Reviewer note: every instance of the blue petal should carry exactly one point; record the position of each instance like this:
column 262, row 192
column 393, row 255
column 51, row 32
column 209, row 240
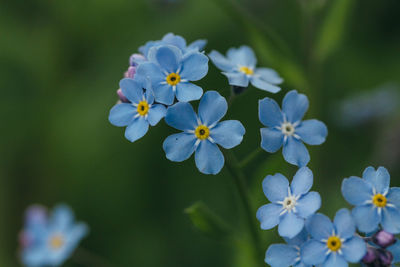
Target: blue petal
column 281, row 255
column 197, row 45
column 271, row 139
column 379, row 179
column 268, row 75
column 121, row 114
column 313, row 252
column 354, row 249
column 344, row 224
column 242, row 56
column 308, row 204
column 275, row 187
column 335, row 260
column 156, row 113
column 212, row 108
column 179, row 147
column 290, row 225
column 208, row 157
column 356, row 191
column 294, row 106
column 237, row 78
column 302, row 181
column 34, row 256
column 131, row 90
column 181, row 116
column 312, row 132
column 194, row 66
column 391, row 220
column 299, row 239
column 269, row 112
column 268, row 215
column 395, row 250
column 186, row 92
column 62, row 217
column 221, row 62
column 78, row 231
column 394, row 196
column 151, row 71
column 168, row 57
column 163, row 93
column 228, row 134
column 295, row 152
column 263, row 85
column 319, row 226
column 136, row 129
column 366, row 218
column 175, row 40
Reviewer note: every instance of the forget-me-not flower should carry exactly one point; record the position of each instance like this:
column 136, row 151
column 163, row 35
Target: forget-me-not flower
column 203, row 133
column 239, row 66
column 286, row 128
column 332, row 244
column 171, row 73
column 56, row 240
column 375, row 203
column 291, row 205
column 139, row 113
column 285, row 255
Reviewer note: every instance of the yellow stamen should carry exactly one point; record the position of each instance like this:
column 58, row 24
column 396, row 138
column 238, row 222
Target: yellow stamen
column 202, row 132
column 173, row 79
column 56, row 241
column 246, row 70
column 379, row 200
column 143, row 108
column 334, row 243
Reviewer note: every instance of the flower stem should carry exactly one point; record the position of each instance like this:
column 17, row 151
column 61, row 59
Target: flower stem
column 250, row 157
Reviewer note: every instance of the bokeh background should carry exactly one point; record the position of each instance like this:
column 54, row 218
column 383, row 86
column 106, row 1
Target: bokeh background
column 60, row 64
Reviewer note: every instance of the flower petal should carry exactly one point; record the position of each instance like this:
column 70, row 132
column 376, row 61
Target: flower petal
column 175, row 40
column 181, row 116
column 271, row 139
column 290, row 225
column 197, row 45
column 356, row 191
column 156, row 113
column 179, row 147
column 335, row 260
column 186, row 92
column 136, row 129
column 264, row 85
column 313, row 252
column 194, row 66
column 208, row 157
column 308, row 204
column 312, row 132
column 212, row 108
column 354, row 249
column 242, row 56
column 220, row 61
column 269, row 112
column 167, row 56
column 391, row 220
column 62, row 217
column 275, row 187
column 302, row 181
column 122, row 114
column 319, row 226
column 237, row 78
column 268, row 75
column 150, row 70
column 228, row 134
column 366, row 218
column 299, row 239
column 295, row 152
column 379, row 179
column 281, row 255
column 294, row 106
column 163, row 93
column 344, row 224
column 395, row 250
column 131, row 90
column 394, row 196
column 268, row 215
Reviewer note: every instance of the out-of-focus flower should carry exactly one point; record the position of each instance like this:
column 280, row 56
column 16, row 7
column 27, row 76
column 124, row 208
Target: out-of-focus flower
column 286, row 128
column 239, row 66
column 203, row 133
column 291, row 205
column 375, row 203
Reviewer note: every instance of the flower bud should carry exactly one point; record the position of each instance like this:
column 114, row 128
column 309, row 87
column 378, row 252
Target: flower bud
column 121, row 96
column 130, row 73
column 135, row 59
column 385, row 257
column 384, row 239
column 370, row 256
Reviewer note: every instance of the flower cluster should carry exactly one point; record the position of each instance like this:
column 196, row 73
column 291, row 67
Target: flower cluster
column 49, row 240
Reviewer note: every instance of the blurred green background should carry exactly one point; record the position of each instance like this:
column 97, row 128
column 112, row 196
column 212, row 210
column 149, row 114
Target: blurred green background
column 60, row 63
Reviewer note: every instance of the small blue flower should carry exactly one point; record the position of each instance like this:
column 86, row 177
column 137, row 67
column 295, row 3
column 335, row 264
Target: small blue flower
column 285, row 255
column 56, row 240
column 287, row 128
column 171, row 72
column 139, row 113
column 375, row 203
column 332, row 244
column 239, row 66
column 291, row 205
column 202, row 133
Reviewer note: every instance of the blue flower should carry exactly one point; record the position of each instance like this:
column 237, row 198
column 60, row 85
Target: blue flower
column 375, row 203
column 332, row 244
column 138, row 114
column 239, row 66
column 56, row 240
column 287, row 128
column 291, row 205
column 171, row 72
column 285, row 255
column 202, row 133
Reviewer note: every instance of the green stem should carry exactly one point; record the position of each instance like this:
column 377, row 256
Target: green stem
column 232, row 166
column 250, row 157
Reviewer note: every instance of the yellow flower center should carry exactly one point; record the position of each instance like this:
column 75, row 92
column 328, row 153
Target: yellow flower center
column 143, row 108
column 334, row 243
column 202, row 132
column 379, row 200
column 56, row 241
column 246, row 70
column 173, row 79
